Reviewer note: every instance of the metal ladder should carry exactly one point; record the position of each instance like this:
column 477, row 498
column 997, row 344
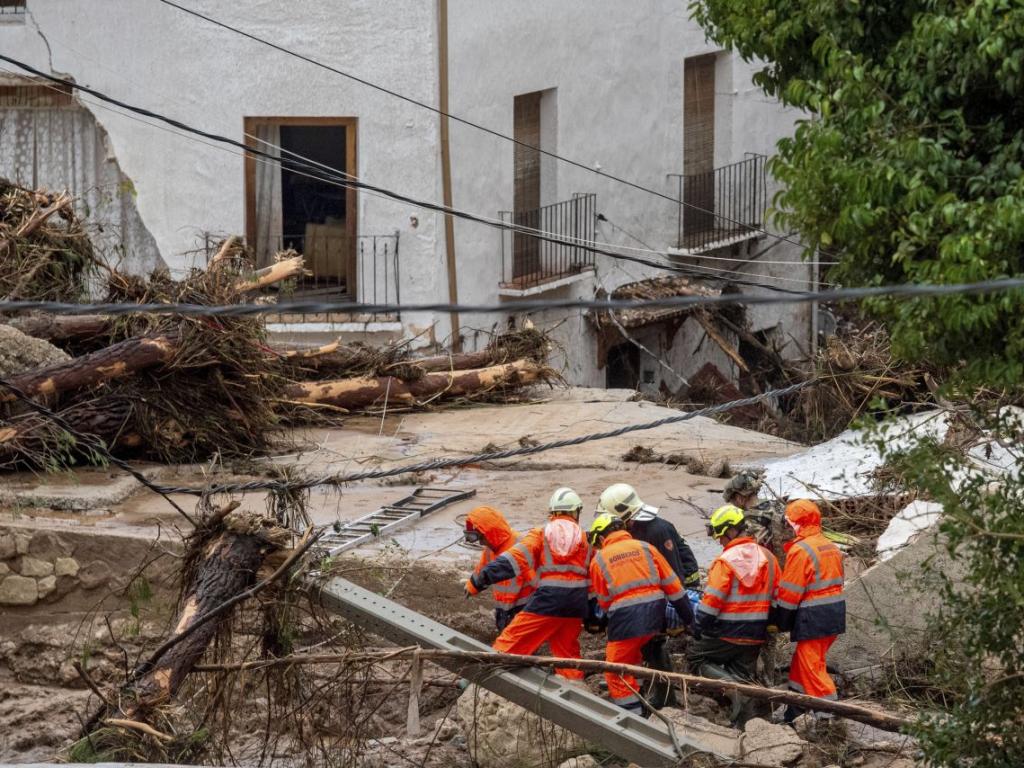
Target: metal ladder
column 646, row 742
column 389, row 519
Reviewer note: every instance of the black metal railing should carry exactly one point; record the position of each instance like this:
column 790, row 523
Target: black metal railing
column 528, row 261
column 723, row 205
column 12, row 7
column 329, row 257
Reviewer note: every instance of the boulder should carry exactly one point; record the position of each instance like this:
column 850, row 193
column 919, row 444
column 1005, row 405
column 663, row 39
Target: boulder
column 65, row 566
column 8, row 546
column 769, row 744
column 501, row 734
column 32, row 566
column 94, row 574
column 20, row 353
column 18, row 590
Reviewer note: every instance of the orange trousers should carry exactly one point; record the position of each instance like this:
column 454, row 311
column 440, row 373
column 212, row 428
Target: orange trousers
column 529, row 631
column 622, row 688
column 807, row 671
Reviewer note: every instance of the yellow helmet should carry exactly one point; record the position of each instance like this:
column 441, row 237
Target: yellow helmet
column 600, row 525
column 724, row 518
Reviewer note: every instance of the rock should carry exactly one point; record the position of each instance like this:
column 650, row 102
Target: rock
column 22, row 542
column 20, row 353
column 864, row 736
column 8, row 547
column 768, row 744
column 65, row 566
column 47, row 545
column 723, row 741
column 31, row 566
column 501, row 734
column 4, row 570
column 46, row 585
column 583, row 761
column 94, row 574
column 18, row 590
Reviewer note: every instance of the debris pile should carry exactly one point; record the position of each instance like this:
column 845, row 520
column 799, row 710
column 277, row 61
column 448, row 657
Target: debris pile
column 175, row 388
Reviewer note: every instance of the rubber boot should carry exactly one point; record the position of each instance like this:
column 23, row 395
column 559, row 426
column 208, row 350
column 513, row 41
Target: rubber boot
column 659, row 693
column 737, row 715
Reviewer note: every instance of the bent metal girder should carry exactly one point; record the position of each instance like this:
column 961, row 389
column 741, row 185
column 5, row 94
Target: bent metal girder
column 645, row 742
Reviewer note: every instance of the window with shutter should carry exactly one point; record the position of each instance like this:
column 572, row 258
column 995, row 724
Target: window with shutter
column 526, row 192
column 699, row 143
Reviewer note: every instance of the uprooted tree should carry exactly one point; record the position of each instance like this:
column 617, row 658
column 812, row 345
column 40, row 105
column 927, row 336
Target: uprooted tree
column 909, row 170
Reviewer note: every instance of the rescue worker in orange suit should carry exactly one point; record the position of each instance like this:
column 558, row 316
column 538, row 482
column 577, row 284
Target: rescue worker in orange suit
column 811, row 605
column 732, row 618
column 487, row 526
column 631, row 583
column 558, row 554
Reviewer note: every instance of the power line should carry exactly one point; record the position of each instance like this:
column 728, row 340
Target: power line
column 445, row 462
column 910, row 290
column 465, row 121
column 289, row 165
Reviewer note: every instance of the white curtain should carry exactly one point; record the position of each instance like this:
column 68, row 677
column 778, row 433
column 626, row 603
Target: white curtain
column 63, row 148
column 269, row 234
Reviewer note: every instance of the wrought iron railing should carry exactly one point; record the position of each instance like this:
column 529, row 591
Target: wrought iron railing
column 329, row 258
column 12, row 7
column 722, row 206
column 528, row 261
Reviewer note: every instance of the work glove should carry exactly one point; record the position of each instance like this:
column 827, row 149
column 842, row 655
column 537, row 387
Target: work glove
column 675, row 631
column 692, row 581
column 471, row 587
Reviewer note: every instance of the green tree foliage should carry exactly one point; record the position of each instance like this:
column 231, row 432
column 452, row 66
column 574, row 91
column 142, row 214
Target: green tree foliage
column 909, row 166
column 980, row 659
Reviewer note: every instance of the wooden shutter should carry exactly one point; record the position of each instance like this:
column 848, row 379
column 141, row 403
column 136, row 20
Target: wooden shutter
column 699, row 142
column 526, row 192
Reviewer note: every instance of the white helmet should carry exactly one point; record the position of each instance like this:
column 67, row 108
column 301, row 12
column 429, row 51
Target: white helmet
column 623, row 501
column 565, row 500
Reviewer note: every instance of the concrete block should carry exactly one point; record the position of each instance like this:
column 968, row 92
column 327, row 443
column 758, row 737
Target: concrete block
column 18, row 590
column 769, row 744
column 32, row 566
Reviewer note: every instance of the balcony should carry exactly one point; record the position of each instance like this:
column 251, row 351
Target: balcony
column 530, row 265
column 722, row 207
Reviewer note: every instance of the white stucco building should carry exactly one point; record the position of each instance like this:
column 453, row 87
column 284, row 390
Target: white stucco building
column 631, row 90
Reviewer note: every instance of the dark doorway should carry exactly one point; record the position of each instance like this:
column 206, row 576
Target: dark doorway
column 623, row 368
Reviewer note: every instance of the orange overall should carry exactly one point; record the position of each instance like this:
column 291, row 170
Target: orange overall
column 558, row 554
column 811, row 604
column 631, row 582
column 511, row 594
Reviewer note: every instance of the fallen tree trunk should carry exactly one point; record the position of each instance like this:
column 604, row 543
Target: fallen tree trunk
column 116, row 361
column 58, row 329
column 29, row 439
column 879, row 719
column 362, row 392
column 275, row 273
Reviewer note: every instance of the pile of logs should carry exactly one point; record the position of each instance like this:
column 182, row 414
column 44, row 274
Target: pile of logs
column 174, row 388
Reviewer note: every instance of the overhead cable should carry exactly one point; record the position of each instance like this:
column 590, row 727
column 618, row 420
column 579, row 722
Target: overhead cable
column 298, row 484
column 911, row 290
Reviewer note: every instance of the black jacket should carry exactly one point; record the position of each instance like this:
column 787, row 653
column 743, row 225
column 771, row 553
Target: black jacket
column 662, row 535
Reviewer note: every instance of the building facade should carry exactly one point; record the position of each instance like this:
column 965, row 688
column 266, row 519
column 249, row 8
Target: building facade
column 625, row 90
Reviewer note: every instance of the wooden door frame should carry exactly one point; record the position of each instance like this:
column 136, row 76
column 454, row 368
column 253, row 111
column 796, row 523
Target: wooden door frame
column 351, row 125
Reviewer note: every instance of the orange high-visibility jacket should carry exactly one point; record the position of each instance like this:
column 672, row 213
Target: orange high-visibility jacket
column 631, row 581
column 810, row 601
column 498, row 538
column 559, row 555
column 740, row 593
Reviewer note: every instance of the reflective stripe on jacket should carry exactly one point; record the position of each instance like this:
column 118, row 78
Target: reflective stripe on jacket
column 499, row 537
column 810, row 602
column 740, row 593
column 561, row 580
column 631, row 581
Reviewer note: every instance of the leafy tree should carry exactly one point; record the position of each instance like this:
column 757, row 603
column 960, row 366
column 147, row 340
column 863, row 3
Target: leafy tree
column 909, row 165
column 910, row 168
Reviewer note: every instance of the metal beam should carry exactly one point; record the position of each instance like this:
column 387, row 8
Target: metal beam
column 646, row 742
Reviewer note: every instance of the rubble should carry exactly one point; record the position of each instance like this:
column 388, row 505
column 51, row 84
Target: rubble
column 769, row 744
column 501, row 734
column 20, row 352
